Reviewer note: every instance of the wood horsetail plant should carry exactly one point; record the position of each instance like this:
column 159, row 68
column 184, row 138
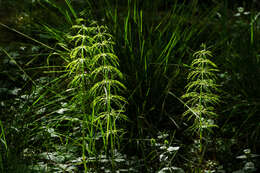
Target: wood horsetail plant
column 201, row 95
column 95, row 77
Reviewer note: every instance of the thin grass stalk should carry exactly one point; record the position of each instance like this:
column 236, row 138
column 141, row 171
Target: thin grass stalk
column 2, row 135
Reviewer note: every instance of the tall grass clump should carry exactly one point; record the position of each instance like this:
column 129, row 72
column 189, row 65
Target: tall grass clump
column 201, row 98
column 153, row 40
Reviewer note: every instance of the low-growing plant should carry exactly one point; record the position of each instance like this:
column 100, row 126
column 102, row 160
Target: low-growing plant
column 249, row 162
column 166, row 152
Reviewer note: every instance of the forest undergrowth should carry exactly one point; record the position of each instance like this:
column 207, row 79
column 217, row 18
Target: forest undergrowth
column 129, row 86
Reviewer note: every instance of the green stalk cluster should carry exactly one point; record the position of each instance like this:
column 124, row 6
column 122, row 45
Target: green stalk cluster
column 95, row 77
